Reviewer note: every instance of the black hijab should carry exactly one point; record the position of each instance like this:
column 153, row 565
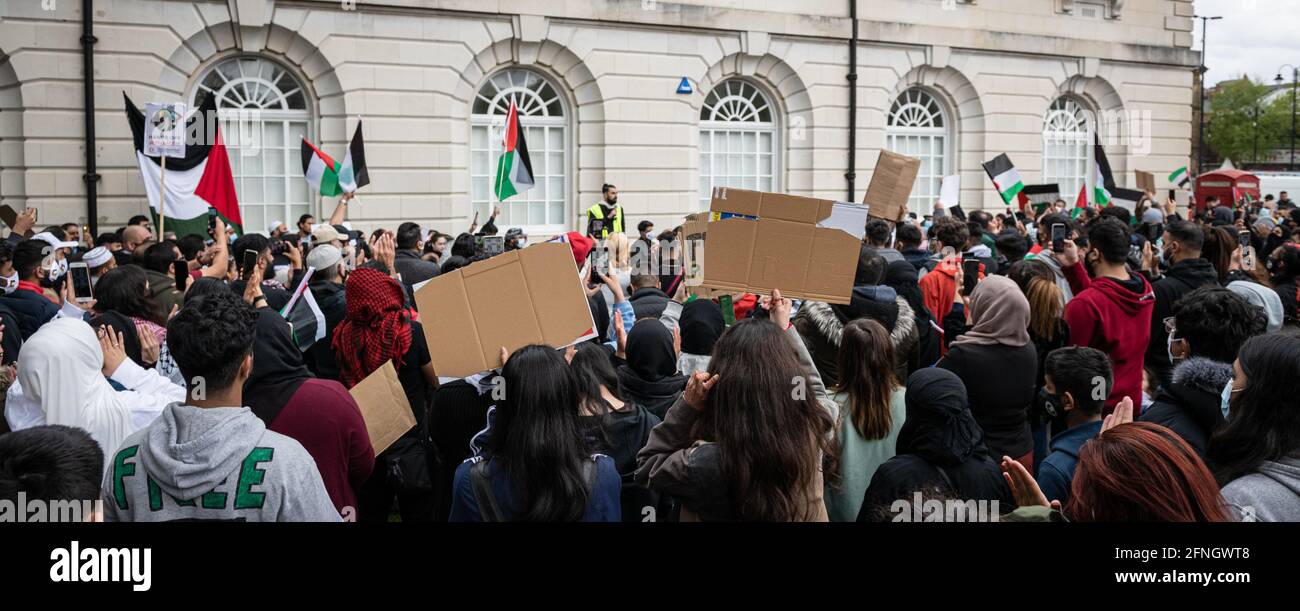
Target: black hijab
column 650, row 350
column 120, row 323
column 278, row 369
column 701, row 323
column 939, row 426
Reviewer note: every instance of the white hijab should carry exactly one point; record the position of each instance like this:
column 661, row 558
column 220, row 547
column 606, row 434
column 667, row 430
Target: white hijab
column 59, row 369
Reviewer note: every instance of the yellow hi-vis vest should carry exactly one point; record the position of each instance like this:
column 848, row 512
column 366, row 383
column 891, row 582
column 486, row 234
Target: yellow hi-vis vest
column 595, row 212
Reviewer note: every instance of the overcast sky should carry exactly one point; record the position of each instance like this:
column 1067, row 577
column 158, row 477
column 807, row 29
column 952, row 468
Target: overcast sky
column 1255, row 37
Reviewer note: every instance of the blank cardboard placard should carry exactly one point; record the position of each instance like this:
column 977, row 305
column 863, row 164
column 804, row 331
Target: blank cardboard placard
column 762, row 241
column 1146, row 181
column 527, row 296
column 891, row 185
column 384, row 407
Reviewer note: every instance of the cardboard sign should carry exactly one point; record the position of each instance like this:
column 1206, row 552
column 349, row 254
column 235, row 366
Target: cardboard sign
column 694, row 231
column 527, row 296
column 1146, row 181
column 891, row 185
column 806, row 247
column 384, row 407
column 164, row 126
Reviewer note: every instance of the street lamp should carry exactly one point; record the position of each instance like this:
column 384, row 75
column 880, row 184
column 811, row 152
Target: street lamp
column 1200, row 135
column 1295, row 74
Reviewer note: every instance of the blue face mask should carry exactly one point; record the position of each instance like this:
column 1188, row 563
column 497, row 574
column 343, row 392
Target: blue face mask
column 1226, row 397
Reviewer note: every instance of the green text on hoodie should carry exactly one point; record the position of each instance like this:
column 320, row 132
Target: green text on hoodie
column 219, row 463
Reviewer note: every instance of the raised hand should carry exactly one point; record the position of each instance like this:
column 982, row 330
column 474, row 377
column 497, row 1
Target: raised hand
column 150, row 349
column 697, row 389
column 1024, row 489
column 1123, row 414
column 112, row 345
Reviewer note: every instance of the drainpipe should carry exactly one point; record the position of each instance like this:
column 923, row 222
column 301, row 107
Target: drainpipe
column 91, row 176
column 852, row 173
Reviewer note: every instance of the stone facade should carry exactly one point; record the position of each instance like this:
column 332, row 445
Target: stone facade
column 412, row 68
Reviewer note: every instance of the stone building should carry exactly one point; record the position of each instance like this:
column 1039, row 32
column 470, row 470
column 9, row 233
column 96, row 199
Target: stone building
column 766, row 102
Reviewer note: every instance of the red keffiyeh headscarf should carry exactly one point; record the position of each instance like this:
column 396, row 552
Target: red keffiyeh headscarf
column 377, row 326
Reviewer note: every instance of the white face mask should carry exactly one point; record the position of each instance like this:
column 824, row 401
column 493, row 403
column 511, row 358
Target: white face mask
column 9, row 283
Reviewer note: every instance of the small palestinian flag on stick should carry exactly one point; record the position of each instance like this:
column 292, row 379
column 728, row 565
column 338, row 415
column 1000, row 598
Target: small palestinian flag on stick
column 1181, row 179
column 330, row 177
column 1080, row 203
column 1005, row 177
column 514, row 168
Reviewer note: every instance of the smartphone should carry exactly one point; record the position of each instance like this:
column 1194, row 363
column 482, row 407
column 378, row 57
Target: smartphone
column 970, row 274
column 181, row 271
column 80, row 281
column 212, row 221
column 1243, row 238
column 250, row 261
column 1058, row 237
column 494, row 245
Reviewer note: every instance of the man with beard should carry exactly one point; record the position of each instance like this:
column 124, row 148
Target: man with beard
column 605, row 217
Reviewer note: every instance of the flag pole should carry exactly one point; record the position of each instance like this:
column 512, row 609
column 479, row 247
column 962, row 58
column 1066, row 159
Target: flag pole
column 162, row 198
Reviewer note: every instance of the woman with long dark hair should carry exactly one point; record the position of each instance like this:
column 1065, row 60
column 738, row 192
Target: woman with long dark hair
column 872, row 411
column 1256, row 455
column 536, row 465
column 1132, row 472
column 613, row 424
column 742, row 442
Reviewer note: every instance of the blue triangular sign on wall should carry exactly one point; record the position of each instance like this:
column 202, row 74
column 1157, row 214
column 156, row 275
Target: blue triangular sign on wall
column 685, row 86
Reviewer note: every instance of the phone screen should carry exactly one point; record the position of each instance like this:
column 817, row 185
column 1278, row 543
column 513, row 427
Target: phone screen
column 970, row 272
column 250, row 261
column 1058, row 237
column 80, row 281
column 1243, row 237
column 181, row 270
column 494, row 245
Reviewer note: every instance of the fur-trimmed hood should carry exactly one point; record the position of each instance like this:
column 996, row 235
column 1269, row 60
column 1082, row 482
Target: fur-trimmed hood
column 828, row 325
column 1202, row 374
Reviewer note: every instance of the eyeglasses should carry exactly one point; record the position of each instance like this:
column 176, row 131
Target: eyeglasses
column 1170, row 328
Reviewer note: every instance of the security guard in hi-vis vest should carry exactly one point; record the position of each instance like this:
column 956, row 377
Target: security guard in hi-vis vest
column 607, row 216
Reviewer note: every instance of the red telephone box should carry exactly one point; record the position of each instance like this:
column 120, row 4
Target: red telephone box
column 1226, row 184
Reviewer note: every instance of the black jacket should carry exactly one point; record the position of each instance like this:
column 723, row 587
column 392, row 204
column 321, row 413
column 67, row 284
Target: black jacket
column 821, row 326
column 31, row 310
column 621, row 435
column 1190, row 404
column 413, row 269
column 648, row 302
column 941, row 452
column 1000, row 385
column 458, row 412
column 1182, row 278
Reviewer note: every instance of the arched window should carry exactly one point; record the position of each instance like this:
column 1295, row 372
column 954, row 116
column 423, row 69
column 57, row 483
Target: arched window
column 738, row 146
column 918, row 127
column 264, row 117
column 1066, row 140
column 542, row 209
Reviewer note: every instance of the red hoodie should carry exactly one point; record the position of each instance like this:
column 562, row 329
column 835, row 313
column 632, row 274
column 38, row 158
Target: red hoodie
column 1117, row 321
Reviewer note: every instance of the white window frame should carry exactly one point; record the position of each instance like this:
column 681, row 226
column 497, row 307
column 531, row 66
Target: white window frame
column 530, row 102
column 260, row 108
column 737, row 107
column 1067, row 146
column 919, row 116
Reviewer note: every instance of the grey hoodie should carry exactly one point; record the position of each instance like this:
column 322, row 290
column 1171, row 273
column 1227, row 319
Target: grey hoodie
column 1270, row 494
column 220, row 463
column 1066, row 292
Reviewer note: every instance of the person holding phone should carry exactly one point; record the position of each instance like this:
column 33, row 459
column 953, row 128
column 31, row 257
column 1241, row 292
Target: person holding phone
column 260, row 247
column 159, row 262
column 1060, row 252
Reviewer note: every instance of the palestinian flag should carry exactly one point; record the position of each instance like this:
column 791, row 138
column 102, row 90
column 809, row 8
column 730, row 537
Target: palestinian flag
column 1181, row 179
column 1041, row 196
column 1127, row 199
column 1103, row 183
column 327, row 176
column 1080, row 203
column 306, row 321
column 1005, row 177
column 514, row 168
column 197, row 182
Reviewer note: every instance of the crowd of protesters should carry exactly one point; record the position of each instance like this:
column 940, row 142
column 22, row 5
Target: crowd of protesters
column 1059, row 364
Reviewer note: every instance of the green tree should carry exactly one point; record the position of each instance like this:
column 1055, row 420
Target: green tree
column 1241, row 124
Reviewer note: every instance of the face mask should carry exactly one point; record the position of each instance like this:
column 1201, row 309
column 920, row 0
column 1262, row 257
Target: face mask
column 9, row 283
column 1225, row 398
column 1164, row 257
column 520, row 243
column 1169, row 348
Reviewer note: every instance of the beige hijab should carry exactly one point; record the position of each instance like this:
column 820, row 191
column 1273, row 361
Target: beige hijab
column 1000, row 312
